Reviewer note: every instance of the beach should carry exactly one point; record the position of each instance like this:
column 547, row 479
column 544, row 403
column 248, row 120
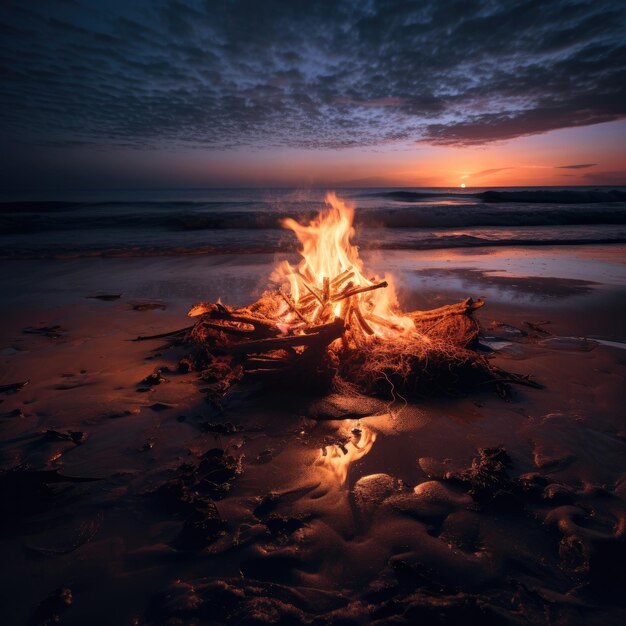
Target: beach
column 461, row 508
column 312, row 313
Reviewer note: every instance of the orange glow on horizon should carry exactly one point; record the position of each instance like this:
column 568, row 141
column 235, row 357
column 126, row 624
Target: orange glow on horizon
column 584, row 156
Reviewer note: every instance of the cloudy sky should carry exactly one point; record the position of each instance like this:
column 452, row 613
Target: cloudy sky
column 123, row 93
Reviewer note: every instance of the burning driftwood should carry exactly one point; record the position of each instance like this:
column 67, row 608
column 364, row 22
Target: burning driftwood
column 326, row 320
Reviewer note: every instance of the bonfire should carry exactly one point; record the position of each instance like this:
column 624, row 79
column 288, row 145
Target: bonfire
column 328, row 323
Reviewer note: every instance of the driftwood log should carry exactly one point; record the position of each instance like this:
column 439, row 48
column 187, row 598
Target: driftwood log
column 318, row 347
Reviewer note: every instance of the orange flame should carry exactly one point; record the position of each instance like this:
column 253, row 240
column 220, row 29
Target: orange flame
column 331, row 262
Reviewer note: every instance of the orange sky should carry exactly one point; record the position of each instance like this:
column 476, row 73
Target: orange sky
column 598, row 151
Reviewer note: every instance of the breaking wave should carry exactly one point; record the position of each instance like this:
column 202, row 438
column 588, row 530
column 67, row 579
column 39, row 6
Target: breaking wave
column 236, row 221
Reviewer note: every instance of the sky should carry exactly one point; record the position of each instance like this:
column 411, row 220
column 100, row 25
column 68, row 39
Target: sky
column 202, row 93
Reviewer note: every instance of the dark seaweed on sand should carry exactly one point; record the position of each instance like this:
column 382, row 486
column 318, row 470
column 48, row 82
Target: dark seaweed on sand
column 192, row 492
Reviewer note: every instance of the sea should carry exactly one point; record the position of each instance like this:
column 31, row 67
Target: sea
column 246, row 221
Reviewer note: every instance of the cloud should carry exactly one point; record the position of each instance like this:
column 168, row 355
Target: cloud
column 578, row 166
column 218, row 75
column 495, row 170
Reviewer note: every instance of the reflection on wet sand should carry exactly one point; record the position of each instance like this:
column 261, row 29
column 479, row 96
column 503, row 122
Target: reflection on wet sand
column 336, row 459
column 499, row 283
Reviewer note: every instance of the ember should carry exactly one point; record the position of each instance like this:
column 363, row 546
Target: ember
column 328, row 322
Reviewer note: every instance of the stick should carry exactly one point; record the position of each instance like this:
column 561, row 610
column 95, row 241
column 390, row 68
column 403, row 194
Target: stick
column 262, row 327
column 313, row 293
column 264, row 364
column 200, row 309
column 307, row 299
column 537, row 328
column 263, row 372
column 292, row 306
column 274, row 343
column 229, row 330
column 267, row 358
column 354, row 292
column 325, row 334
column 244, row 319
column 257, row 322
column 347, row 288
column 308, row 308
column 341, row 278
column 510, row 377
column 383, row 322
column 320, row 313
column 364, row 325
column 460, row 308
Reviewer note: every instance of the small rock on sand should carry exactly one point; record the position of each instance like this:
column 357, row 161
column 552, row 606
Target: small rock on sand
column 370, row 491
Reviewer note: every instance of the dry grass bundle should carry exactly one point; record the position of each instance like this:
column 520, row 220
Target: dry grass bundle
column 246, row 344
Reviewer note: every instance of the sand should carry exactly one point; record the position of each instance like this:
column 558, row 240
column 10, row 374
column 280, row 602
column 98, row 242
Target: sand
column 413, row 524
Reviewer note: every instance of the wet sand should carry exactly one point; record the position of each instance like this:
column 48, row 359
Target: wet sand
column 195, row 517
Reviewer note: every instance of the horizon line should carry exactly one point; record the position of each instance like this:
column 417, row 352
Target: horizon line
column 304, row 187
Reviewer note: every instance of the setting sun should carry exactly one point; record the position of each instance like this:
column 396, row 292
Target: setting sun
column 462, row 185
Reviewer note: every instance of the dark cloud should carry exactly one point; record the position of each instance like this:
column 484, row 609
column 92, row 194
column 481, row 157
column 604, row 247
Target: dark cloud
column 577, row 166
column 307, row 74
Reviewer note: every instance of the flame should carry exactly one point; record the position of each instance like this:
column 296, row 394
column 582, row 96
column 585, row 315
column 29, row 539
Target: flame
column 337, row 459
column 329, row 269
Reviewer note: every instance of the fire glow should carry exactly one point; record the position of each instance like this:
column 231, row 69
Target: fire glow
column 338, row 458
column 330, row 280
column 327, row 324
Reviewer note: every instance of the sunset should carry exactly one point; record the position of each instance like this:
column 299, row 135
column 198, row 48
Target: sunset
column 313, row 312
column 186, row 94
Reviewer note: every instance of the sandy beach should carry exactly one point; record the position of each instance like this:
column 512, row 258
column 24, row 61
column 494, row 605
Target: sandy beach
column 466, row 509
column 313, row 313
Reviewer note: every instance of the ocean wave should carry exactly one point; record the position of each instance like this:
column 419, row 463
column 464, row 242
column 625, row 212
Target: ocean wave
column 281, row 246
column 446, row 216
column 528, row 196
column 422, row 216
column 416, row 196
column 545, row 196
column 30, row 206
column 56, row 206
